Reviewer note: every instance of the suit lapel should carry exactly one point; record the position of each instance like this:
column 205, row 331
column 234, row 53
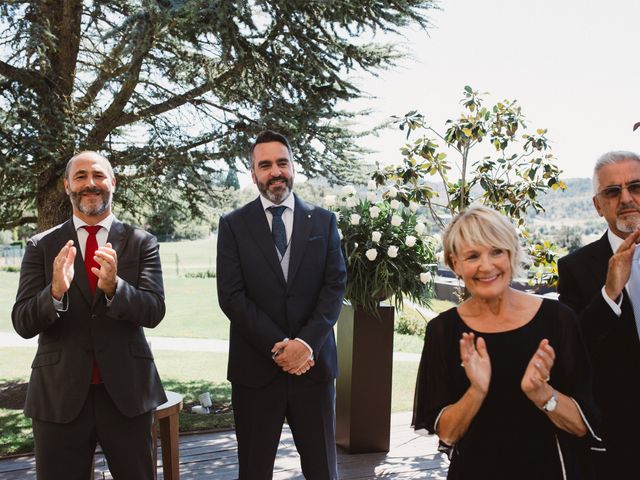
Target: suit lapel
column 600, row 264
column 257, row 224
column 302, row 222
column 118, row 236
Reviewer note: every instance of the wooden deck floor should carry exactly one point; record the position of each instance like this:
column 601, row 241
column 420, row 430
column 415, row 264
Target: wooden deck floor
column 212, row 456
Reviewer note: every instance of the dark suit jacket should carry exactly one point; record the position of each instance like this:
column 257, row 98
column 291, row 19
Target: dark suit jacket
column 612, row 343
column 264, row 309
column 68, row 341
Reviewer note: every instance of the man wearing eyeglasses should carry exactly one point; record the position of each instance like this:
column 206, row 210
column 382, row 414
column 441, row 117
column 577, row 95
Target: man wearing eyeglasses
column 603, row 287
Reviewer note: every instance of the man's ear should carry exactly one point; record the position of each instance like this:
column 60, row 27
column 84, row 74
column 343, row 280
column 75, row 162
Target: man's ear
column 596, row 203
column 66, row 186
column 253, row 176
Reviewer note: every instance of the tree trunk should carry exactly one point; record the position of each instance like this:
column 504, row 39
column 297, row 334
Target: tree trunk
column 53, row 203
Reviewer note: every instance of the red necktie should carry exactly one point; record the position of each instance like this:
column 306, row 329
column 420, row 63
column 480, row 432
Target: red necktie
column 89, row 252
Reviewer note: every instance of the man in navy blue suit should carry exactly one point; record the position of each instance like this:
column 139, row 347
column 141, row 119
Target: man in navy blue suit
column 281, row 279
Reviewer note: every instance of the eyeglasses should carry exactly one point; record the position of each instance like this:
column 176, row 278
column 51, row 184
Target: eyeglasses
column 614, row 191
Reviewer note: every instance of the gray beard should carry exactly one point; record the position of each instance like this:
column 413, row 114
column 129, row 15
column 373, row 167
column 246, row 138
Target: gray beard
column 278, row 198
column 76, row 201
column 627, row 226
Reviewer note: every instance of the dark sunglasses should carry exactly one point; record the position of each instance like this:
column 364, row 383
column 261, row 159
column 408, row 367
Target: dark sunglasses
column 614, row 191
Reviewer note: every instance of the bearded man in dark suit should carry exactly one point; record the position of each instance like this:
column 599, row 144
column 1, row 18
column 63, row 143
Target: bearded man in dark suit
column 87, row 288
column 281, row 279
column 601, row 282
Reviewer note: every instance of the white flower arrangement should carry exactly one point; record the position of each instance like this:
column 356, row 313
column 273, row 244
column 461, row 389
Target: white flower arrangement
column 385, row 247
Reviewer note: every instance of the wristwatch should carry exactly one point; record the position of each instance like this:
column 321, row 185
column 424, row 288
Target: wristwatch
column 552, row 403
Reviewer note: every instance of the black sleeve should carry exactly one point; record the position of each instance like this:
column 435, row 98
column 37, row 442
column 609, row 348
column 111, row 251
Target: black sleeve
column 575, row 371
column 434, row 386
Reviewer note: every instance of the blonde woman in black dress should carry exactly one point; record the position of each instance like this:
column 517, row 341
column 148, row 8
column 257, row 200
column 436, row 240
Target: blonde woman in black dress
column 504, row 379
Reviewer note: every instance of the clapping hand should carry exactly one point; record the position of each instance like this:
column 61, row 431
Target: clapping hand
column 476, row 362
column 63, row 270
column 538, row 373
column 107, row 258
column 619, row 268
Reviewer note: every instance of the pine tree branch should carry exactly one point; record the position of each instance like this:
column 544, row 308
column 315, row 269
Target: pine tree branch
column 27, row 78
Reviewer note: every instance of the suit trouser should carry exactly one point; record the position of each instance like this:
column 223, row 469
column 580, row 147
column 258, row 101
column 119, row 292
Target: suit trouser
column 65, row 450
column 259, row 414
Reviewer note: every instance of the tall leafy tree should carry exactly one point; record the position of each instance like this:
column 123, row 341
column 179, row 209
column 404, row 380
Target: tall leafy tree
column 509, row 176
column 173, row 90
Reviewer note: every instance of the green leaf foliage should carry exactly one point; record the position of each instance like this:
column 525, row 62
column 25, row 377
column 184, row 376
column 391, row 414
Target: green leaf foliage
column 173, row 91
column 510, row 179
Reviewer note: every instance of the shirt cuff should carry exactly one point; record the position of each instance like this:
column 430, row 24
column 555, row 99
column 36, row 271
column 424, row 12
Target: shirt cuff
column 306, row 345
column 615, row 307
column 61, row 305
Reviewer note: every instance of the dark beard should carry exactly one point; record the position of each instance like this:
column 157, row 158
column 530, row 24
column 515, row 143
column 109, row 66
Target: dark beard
column 281, row 194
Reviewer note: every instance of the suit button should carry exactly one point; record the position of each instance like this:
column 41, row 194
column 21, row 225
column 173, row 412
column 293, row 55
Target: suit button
column 93, row 316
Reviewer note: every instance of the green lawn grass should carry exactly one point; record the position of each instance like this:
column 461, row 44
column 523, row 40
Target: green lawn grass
column 8, row 289
column 187, row 256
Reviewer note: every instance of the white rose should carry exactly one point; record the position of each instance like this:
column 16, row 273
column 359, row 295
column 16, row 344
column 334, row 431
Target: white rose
column 413, row 206
column 425, row 277
column 371, row 254
column 340, row 234
column 355, row 219
column 330, row 200
column 392, row 192
column 396, row 220
column 337, row 214
column 374, row 212
column 420, row 227
column 371, row 196
column 395, row 204
column 352, row 202
column 372, row 185
column 376, row 236
column 392, row 251
column 348, row 190
column 410, row 241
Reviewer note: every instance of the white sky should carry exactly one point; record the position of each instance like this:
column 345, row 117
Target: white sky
column 571, row 64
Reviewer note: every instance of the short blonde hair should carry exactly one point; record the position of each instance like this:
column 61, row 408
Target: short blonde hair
column 481, row 225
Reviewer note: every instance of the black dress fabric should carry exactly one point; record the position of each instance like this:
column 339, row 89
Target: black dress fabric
column 510, row 438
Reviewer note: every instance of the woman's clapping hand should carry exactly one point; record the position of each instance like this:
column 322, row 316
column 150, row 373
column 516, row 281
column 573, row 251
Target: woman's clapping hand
column 476, row 362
